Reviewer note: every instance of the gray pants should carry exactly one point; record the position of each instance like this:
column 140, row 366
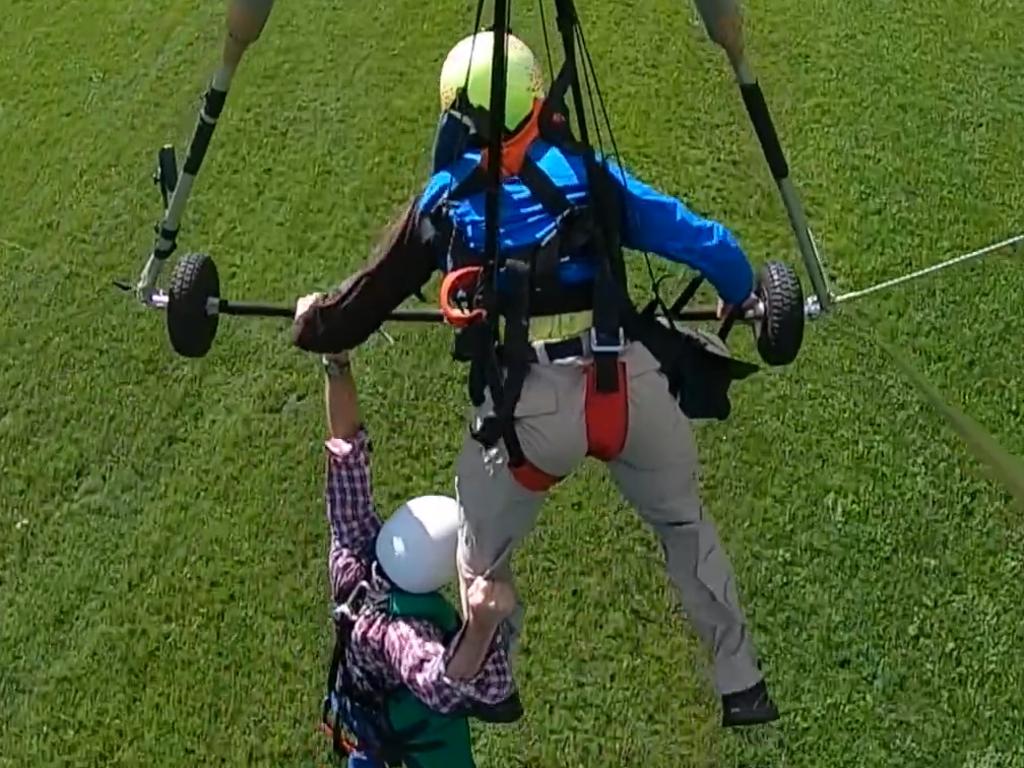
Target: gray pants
column 656, row 472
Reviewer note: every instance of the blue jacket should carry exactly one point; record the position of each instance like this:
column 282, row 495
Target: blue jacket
column 652, row 221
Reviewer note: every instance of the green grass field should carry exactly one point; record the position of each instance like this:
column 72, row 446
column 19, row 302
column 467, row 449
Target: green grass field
column 162, row 542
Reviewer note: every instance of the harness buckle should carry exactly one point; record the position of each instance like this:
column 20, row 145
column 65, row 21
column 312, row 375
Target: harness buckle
column 460, row 280
column 351, row 607
column 600, row 347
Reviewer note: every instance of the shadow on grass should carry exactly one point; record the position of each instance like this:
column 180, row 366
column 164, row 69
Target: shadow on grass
column 1004, row 467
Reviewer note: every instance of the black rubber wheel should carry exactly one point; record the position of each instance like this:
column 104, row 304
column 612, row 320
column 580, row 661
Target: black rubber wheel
column 780, row 332
column 190, row 327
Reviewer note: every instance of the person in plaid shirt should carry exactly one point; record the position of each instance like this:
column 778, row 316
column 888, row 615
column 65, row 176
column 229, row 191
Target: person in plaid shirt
column 408, row 673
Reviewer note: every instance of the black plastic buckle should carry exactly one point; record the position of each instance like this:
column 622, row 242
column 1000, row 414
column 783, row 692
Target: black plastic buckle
column 488, row 431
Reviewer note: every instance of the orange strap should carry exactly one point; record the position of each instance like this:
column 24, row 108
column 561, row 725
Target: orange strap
column 607, row 415
column 513, row 149
column 607, row 418
column 533, row 479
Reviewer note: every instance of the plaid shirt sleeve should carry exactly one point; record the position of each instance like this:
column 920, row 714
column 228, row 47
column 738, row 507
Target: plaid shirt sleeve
column 350, row 511
column 416, row 650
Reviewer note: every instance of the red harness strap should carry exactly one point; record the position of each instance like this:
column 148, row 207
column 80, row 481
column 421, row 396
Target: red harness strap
column 533, row 479
column 607, row 418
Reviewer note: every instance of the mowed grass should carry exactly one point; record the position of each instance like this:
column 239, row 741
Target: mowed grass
column 162, row 542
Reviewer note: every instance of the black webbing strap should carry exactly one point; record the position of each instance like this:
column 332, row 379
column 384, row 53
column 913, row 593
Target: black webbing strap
column 340, row 642
column 471, row 346
column 474, row 183
column 491, row 367
column 342, row 631
column 547, row 255
column 544, row 189
column 575, row 222
column 607, row 332
column 609, row 286
column 688, row 293
column 554, row 114
column 515, row 356
column 516, row 353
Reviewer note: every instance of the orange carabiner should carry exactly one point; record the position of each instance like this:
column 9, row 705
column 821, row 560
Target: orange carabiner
column 454, row 281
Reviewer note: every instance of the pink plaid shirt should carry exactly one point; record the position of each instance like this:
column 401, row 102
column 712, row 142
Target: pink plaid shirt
column 386, row 652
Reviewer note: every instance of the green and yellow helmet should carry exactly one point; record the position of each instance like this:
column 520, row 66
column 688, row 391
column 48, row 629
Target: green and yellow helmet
column 469, row 64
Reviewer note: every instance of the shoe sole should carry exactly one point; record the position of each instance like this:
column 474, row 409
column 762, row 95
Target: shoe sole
column 748, row 721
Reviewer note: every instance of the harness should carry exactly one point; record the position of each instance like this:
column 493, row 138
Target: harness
column 393, row 727
column 530, row 285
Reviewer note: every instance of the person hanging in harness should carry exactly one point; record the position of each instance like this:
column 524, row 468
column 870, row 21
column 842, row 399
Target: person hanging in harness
column 406, row 673
column 610, row 387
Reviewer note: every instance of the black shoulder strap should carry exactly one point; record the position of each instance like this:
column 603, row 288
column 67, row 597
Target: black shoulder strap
column 539, row 183
column 342, row 632
column 607, row 205
column 473, row 184
column 574, row 223
column 543, row 188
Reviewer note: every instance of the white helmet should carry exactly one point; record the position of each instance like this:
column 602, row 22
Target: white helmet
column 416, row 545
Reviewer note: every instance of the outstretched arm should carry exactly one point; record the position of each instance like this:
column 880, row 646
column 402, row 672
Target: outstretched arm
column 348, row 491
column 346, row 318
column 658, row 223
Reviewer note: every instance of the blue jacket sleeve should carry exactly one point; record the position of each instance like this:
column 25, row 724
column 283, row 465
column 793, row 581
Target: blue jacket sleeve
column 434, row 190
column 442, row 181
column 658, row 223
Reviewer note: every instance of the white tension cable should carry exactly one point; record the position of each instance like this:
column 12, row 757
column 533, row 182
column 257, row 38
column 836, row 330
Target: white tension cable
column 1017, row 241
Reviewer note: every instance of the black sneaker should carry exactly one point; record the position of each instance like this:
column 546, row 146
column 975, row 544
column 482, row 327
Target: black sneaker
column 750, row 707
column 508, row 711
